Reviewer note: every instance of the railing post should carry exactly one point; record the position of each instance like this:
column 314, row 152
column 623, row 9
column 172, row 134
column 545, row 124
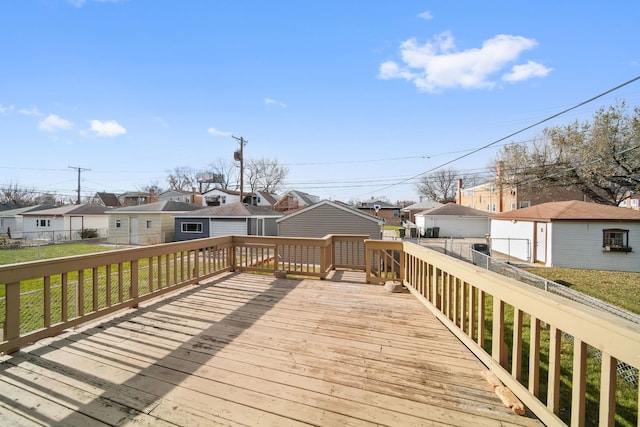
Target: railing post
column 12, row 313
column 367, row 262
column 276, row 257
column 402, row 264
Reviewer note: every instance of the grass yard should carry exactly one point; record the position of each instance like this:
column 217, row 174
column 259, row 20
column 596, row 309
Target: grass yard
column 618, row 288
column 12, row 256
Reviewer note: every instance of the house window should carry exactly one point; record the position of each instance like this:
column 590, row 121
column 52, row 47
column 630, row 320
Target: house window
column 43, row 223
column 513, row 206
column 118, row 223
column 191, row 227
column 493, row 207
column 524, row 205
column 224, row 199
column 615, row 240
column 148, row 223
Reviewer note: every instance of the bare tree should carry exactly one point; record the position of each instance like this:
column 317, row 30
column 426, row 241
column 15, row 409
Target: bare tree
column 601, row 157
column 226, row 173
column 152, row 187
column 440, row 185
column 183, row 178
column 14, row 194
column 265, row 175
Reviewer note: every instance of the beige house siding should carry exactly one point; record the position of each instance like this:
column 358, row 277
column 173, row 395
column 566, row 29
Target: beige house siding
column 160, row 230
column 325, row 219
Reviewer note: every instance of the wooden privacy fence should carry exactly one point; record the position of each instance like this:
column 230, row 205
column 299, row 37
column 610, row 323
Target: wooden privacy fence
column 42, row 298
column 521, row 333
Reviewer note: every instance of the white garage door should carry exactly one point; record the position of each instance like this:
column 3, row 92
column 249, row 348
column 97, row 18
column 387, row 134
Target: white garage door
column 224, row 227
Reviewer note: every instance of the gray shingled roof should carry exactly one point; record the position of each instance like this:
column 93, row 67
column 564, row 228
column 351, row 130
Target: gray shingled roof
column 83, row 209
column 235, row 209
column 109, row 199
column 454, row 209
column 161, row 206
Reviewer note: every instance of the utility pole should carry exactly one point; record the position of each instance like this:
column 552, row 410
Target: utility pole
column 238, row 155
column 79, row 169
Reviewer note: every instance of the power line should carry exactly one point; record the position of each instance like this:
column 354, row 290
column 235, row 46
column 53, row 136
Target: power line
column 553, row 116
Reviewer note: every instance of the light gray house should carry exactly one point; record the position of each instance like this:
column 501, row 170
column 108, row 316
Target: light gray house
column 11, row 221
column 65, row 222
column 147, row 224
column 234, row 219
column 453, row 220
column 327, row 217
column 571, row 234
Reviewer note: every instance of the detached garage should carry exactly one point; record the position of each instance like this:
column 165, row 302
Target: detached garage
column 236, row 219
column 453, row 220
column 570, row 234
column 328, row 217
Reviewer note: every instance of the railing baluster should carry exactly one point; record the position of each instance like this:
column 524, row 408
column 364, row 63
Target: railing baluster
column 80, row 294
column 134, row 283
column 96, row 292
column 534, row 357
column 497, row 333
column 64, row 295
column 120, row 282
column 553, row 386
column 579, row 383
column 481, row 316
column 47, row 301
column 107, row 279
column 608, row 373
column 516, row 356
column 150, row 273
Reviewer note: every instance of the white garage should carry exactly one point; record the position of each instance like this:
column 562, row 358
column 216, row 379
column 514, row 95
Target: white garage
column 228, row 227
column 453, row 220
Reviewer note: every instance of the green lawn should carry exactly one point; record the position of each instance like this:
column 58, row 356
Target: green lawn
column 12, row 256
column 618, row 288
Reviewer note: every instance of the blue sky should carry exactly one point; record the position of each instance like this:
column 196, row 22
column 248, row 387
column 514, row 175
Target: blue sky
column 356, row 98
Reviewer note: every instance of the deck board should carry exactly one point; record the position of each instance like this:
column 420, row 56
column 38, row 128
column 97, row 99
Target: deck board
column 254, row 350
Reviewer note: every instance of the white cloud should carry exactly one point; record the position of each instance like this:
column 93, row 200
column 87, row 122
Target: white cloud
column 270, row 101
column 438, row 64
column 109, row 128
column 32, row 112
column 53, row 123
column 216, row 132
column 4, row 110
column 425, row 15
column 526, row 71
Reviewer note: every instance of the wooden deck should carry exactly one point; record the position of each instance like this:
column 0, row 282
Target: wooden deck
column 249, row 349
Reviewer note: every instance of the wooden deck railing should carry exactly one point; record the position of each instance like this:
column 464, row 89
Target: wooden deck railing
column 45, row 297
column 519, row 332
column 512, row 327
